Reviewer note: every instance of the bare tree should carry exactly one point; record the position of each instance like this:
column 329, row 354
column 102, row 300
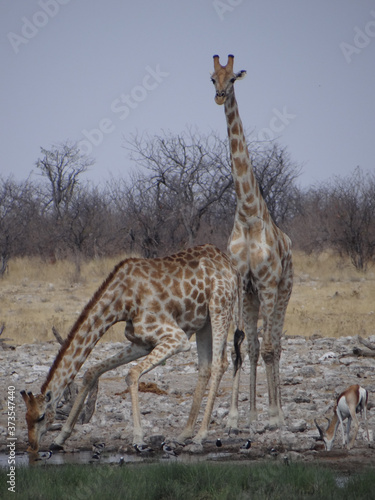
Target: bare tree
column 137, row 221
column 61, row 166
column 339, row 214
column 276, row 174
column 353, row 212
column 181, row 194
column 186, row 176
column 309, row 229
column 18, row 208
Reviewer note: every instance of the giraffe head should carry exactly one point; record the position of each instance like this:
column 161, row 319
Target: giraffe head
column 223, row 78
column 39, row 415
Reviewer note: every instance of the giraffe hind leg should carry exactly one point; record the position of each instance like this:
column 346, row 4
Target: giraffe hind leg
column 204, row 349
column 219, row 365
column 174, row 340
column 216, row 376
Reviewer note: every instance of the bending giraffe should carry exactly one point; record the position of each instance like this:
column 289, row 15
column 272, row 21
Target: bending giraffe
column 163, row 301
column 260, row 251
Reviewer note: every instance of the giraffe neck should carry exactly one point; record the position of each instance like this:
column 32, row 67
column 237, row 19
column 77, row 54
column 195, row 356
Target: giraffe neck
column 251, row 207
column 72, row 360
column 103, row 310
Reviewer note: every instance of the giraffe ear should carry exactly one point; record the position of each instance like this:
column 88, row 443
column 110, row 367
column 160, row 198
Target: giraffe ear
column 241, row 75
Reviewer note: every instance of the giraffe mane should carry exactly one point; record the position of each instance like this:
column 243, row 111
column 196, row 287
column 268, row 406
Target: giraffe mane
column 80, row 320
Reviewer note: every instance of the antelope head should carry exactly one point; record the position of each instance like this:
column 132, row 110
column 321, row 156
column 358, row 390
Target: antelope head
column 327, row 435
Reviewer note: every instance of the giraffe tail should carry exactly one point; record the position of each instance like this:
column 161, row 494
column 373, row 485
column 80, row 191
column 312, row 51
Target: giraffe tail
column 239, row 334
column 238, row 339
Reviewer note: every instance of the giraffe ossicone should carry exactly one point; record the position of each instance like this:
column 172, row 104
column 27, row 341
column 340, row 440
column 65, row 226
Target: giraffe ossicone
column 163, row 301
column 261, row 253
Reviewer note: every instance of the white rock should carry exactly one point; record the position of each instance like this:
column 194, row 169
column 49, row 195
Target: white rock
column 328, row 355
column 297, row 425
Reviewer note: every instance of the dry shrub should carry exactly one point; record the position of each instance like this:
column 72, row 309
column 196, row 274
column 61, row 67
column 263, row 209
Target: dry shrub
column 329, row 298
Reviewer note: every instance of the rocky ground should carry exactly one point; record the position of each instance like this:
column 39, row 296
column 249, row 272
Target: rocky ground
column 313, row 373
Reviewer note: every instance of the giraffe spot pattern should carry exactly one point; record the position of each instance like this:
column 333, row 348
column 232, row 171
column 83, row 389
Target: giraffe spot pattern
column 169, row 299
column 265, row 255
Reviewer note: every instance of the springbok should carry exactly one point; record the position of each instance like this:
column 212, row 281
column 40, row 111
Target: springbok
column 353, row 400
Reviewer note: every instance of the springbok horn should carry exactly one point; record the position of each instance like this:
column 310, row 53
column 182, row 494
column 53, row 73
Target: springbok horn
column 25, row 397
column 319, row 429
column 31, row 397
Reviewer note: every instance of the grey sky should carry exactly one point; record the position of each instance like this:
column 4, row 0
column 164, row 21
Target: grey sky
column 71, row 66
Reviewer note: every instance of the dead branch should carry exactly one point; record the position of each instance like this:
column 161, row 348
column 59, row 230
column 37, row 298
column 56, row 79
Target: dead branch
column 3, row 345
column 360, row 352
column 58, row 337
column 366, row 343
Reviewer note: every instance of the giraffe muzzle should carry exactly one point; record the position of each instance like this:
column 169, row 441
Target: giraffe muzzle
column 220, row 97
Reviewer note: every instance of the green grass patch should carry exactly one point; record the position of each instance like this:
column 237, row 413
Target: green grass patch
column 185, row 482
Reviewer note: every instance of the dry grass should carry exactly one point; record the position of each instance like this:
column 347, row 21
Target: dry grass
column 329, row 298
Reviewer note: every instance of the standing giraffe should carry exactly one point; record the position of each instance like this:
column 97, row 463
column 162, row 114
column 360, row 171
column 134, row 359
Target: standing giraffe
column 163, row 301
column 260, row 251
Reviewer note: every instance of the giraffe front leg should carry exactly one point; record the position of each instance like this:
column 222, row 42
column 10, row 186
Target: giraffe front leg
column 253, row 356
column 271, row 353
column 237, row 355
column 232, row 421
column 268, row 358
column 250, row 317
column 278, row 389
column 90, row 378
